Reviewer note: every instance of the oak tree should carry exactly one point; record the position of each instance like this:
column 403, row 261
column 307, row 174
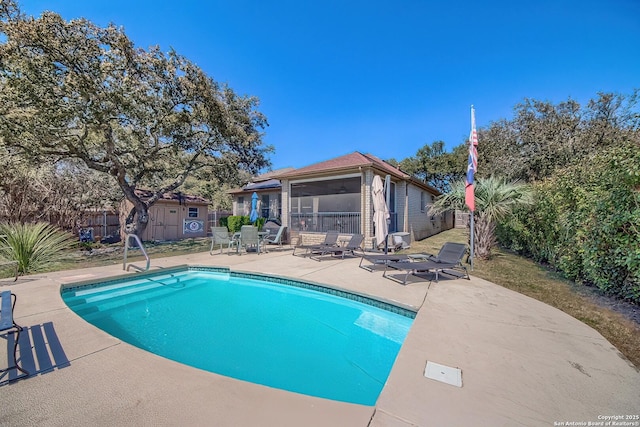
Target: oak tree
column 142, row 117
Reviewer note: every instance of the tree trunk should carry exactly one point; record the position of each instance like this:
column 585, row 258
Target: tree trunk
column 485, row 236
column 142, row 219
column 134, row 217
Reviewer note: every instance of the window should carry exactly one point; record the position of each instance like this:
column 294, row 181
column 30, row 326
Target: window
column 265, row 207
column 193, row 212
column 335, row 195
column 433, row 198
column 423, row 201
column 279, row 205
column 240, row 208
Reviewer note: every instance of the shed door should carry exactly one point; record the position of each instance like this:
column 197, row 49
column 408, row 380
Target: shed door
column 156, row 216
column 171, row 223
column 163, row 223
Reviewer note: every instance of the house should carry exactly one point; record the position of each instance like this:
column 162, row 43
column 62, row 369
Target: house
column 269, row 191
column 174, row 216
column 336, row 195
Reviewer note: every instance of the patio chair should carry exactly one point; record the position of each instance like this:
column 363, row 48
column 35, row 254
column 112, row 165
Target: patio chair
column 8, row 325
column 354, row 244
column 449, row 252
column 277, row 239
column 330, row 239
column 249, row 238
column 220, row 236
column 377, row 259
column 447, row 261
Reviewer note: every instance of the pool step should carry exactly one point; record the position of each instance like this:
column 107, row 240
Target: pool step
column 98, row 299
column 123, row 290
column 95, row 294
column 131, row 296
column 166, row 278
column 169, row 280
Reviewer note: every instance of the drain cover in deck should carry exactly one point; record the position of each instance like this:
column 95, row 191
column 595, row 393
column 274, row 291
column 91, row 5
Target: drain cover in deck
column 442, row 373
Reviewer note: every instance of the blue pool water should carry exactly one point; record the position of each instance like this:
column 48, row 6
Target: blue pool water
column 250, row 328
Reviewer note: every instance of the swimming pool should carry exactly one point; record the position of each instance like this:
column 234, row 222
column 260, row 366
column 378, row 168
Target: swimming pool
column 278, row 332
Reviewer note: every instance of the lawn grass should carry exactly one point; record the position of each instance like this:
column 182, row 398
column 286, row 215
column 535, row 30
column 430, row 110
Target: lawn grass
column 526, row 277
column 112, row 254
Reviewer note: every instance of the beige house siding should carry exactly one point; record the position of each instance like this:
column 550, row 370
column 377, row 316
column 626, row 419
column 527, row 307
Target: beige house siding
column 402, row 203
column 420, row 223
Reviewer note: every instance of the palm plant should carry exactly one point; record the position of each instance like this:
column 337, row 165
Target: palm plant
column 34, row 246
column 495, row 200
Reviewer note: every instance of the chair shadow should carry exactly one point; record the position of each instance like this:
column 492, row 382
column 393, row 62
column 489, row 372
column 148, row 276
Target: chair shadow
column 37, row 343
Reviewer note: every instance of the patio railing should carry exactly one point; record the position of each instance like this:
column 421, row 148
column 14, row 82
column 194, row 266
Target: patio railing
column 344, row 222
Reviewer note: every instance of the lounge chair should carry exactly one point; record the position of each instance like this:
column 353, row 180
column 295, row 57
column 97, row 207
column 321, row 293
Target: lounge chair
column 8, row 325
column 377, row 259
column 277, row 239
column 447, row 261
column 354, row 244
column 449, row 252
column 330, row 240
column 220, row 236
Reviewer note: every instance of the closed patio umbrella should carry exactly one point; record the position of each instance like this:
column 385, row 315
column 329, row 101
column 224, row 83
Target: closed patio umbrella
column 380, row 210
column 254, row 207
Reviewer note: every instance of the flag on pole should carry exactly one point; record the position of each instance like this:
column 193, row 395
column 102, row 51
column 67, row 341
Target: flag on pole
column 472, row 166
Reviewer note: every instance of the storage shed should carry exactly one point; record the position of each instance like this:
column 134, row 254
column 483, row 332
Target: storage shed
column 175, row 216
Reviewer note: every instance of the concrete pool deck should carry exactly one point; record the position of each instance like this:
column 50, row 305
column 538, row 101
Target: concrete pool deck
column 523, row 362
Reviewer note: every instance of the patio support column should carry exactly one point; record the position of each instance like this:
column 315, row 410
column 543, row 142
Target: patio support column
column 367, row 208
column 405, row 225
column 286, row 208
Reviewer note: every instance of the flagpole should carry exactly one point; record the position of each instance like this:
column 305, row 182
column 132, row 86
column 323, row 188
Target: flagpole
column 471, row 245
column 470, row 183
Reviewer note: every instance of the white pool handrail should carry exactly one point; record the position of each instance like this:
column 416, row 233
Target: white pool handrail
column 126, row 250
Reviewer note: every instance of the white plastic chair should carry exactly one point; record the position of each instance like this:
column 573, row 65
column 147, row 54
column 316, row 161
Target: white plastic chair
column 220, row 236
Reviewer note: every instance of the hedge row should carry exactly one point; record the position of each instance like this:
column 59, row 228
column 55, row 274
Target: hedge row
column 586, row 222
column 234, row 223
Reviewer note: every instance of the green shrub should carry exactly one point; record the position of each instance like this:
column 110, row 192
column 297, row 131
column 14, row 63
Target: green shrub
column 223, row 222
column 586, row 222
column 234, row 223
column 34, row 246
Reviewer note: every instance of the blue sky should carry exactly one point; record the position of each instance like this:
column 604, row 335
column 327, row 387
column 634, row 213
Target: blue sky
column 385, row 77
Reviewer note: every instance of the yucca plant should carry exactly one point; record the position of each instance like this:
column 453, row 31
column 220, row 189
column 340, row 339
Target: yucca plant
column 34, row 246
